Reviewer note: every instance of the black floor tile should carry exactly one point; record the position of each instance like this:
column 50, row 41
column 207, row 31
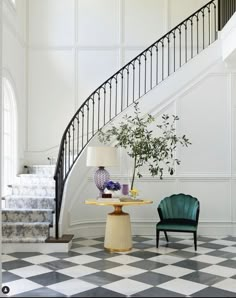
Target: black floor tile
column 49, row 278
column 157, row 292
column 103, row 254
column 213, row 292
column 23, row 255
column 228, row 263
column 64, row 255
column 212, row 245
column 222, row 254
column 15, row 264
column 143, row 254
column 147, row 265
column 193, row 265
column 203, row 278
column 100, row 278
column 99, row 292
column 8, row 276
column 152, row 278
column 59, row 264
column 41, row 292
column 102, row 265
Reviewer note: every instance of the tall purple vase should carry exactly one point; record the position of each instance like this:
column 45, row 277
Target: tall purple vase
column 100, row 177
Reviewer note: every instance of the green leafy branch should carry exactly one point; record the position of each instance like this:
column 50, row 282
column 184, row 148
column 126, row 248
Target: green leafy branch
column 134, row 135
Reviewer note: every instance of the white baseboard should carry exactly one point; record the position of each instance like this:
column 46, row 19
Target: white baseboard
column 90, row 230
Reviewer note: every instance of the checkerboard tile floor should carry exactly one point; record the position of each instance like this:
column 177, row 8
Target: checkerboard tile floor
column 87, row 270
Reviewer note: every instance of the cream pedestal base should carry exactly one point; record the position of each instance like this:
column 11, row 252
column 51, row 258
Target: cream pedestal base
column 118, row 231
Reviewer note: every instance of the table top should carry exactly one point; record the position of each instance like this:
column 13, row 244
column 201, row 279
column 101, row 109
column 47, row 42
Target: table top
column 110, row 202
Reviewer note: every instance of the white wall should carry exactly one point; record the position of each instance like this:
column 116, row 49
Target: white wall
column 14, row 63
column 74, row 45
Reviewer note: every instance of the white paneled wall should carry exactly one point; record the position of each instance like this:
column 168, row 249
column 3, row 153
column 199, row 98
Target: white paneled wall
column 74, row 45
column 14, row 63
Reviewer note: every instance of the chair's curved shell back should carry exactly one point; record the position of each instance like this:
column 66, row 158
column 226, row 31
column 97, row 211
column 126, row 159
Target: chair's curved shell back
column 179, row 206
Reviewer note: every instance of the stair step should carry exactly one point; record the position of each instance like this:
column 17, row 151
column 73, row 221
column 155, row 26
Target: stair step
column 33, row 190
column 45, row 170
column 24, row 240
column 29, row 202
column 19, row 230
column 33, row 179
column 27, row 215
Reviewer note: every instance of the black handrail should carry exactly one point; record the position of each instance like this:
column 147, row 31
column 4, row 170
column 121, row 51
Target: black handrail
column 132, row 81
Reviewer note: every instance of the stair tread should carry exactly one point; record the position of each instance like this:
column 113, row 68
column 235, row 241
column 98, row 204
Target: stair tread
column 23, row 240
column 27, row 209
column 28, row 197
column 26, row 223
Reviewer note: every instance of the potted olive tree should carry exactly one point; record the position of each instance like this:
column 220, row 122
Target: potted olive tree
column 134, row 134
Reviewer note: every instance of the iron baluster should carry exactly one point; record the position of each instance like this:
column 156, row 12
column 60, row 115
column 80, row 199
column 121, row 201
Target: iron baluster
column 203, row 30
column 127, row 87
column 174, row 37
column 73, row 142
column 145, row 73
column 104, row 108
column 122, row 91
column 163, row 60
column 110, row 102
column 69, row 148
column 87, row 105
column 157, row 64
column 186, row 48
column 133, row 79
column 139, row 77
column 82, row 133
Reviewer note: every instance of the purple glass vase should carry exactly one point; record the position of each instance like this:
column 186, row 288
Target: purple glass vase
column 125, row 189
column 100, row 177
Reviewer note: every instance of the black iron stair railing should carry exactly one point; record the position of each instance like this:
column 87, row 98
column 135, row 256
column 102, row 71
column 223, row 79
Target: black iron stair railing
column 131, row 82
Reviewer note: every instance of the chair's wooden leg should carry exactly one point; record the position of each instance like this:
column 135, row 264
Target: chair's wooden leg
column 195, row 240
column 157, row 238
column 166, row 236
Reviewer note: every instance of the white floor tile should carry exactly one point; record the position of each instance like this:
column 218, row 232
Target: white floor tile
column 82, row 259
column 7, row 258
column 78, row 271
column 200, row 250
column 166, row 259
column 88, row 242
column 220, row 270
column 223, row 242
column 72, row 286
column 208, row 259
column 127, row 286
column 183, row 287
column 125, row 271
column 128, row 252
column 124, row 259
column 173, row 271
column 40, row 259
column 86, row 250
column 161, row 250
column 227, row 285
column 229, row 249
column 21, row 285
column 189, row 242
column 30, row 271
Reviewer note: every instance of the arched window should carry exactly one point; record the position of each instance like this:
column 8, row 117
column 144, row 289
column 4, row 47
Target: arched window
column 9, row 136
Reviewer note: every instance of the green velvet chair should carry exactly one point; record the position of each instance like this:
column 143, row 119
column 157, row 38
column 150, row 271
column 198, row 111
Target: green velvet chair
column 178, row 213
